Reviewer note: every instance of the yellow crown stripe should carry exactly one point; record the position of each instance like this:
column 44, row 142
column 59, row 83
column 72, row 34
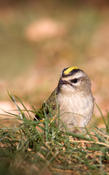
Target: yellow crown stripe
column 70, row 69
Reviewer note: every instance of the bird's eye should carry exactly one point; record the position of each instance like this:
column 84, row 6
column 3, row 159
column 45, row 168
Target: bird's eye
column 75, row 80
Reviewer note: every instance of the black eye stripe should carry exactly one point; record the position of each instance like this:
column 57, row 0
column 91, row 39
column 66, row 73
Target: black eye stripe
column 75, row 80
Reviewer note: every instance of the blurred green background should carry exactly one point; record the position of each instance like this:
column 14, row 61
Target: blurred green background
column 39, row 38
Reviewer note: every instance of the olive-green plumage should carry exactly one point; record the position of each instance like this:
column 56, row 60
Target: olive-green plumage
column 49, row 107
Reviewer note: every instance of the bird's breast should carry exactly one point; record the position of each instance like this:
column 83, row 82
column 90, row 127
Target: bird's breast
column 76, row 109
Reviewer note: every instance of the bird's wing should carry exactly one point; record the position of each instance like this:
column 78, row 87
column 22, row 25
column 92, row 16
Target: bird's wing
column 48, row 107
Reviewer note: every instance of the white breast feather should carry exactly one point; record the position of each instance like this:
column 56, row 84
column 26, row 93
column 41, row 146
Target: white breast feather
column 76, row 104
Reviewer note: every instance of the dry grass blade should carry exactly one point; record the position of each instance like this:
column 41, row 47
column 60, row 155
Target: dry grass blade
column 91, row 142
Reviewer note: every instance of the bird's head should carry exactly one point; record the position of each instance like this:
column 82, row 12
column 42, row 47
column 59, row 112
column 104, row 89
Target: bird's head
column 74, row 80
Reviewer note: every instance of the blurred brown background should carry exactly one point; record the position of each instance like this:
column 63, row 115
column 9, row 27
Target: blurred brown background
column 39, row 38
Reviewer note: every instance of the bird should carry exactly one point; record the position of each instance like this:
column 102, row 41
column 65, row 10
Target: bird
column 72, row 99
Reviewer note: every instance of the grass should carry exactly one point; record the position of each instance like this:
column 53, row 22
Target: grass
column 36, row 147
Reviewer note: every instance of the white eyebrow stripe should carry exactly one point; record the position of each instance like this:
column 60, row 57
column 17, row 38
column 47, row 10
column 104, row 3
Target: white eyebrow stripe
column 79, row 75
